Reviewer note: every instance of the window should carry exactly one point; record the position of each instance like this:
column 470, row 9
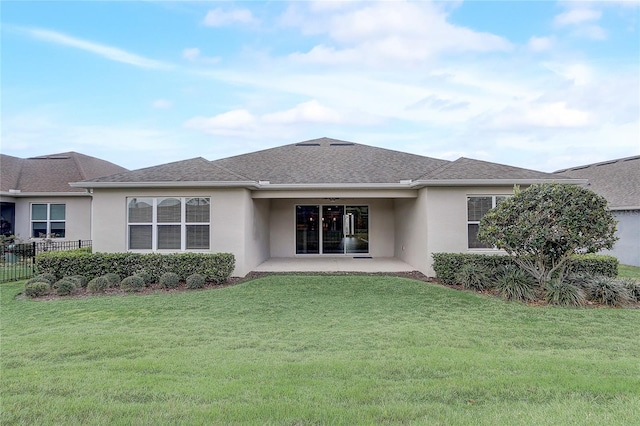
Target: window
column 477, row 206
column 48, row 220
column 168, row 223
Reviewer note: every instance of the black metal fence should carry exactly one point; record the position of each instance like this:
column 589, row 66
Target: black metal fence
column 17, row 261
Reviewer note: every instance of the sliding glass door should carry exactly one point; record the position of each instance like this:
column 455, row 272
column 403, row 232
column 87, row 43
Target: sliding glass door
column 332, row 229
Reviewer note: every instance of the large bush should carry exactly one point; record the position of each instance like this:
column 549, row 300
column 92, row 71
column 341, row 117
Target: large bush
column 544, row 226
column 216, row 267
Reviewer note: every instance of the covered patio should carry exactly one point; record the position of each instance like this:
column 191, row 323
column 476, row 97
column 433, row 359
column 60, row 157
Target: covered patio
column 325, row 264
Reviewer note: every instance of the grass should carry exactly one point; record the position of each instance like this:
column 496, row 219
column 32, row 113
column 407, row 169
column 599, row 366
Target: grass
column 629, row 271
column 315, row 350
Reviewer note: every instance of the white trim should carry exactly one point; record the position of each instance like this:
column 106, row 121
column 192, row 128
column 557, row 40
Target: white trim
column 43, row 194
column 155, row 224
column 494, row 182
column 167, row 184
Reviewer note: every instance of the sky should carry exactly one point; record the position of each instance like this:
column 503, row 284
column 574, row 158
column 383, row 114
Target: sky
column 543, row 85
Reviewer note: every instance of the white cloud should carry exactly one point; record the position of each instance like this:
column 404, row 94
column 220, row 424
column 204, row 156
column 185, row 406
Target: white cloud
column 191, row 54
column 577, row 16
column 219, row 18
column 579, row 74
column 388, row 33
column 540, row 44
column 548, row 115
column 235, row 122
column 161, row 104
column 108, row 52
column 307, row 112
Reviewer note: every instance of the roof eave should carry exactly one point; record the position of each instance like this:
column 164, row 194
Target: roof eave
column 22, row 194
column 169, row 184
column 314, row 186
column 493, row 182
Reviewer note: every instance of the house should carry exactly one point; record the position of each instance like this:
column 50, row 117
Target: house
column 618, row 181
column 36, row 199
column 317, row 198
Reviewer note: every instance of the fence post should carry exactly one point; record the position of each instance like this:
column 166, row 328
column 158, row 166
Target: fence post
column 34, row 248
column 79, row 243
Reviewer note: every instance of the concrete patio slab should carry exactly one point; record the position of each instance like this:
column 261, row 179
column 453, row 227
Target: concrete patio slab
column 334, row 264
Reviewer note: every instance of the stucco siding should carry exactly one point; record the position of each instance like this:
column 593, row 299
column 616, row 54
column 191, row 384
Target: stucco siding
column 411, row 231
column 446, row 215
column 77, row 216
column 230, row 219
column 627, row 248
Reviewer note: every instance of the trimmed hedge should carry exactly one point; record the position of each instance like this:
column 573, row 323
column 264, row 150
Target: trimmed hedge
column 446, row 265
column 216, row 267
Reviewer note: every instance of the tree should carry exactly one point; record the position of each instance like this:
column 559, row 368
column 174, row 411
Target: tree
column 543, row 226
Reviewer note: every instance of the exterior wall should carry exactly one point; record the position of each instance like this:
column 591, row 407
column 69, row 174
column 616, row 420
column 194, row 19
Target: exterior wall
column 627, row 248
column 411, row 231
column 257, row 234
column 381, row 224
column 446, row 215
column 234, row 227
column 77, row 216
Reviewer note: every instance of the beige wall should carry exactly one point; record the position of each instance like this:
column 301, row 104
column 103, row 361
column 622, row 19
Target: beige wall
column 255, row 228
column 446, row 213
column 381, row 224
column 77, row 216
column 238, row 225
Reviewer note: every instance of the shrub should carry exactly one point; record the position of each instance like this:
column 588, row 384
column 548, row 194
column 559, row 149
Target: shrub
column 446, row 265
column 132, row 283
column 113, row 279
column 37, row 288
column 48, row 277
column 169, row 280
column 65, row 287
column 79, row 280
column 195, row 281
column 608, row 291
column 146, row 277
column 98, row 285
column 473, row 277
column 515, row 284
column 563, row 293
column 633, row 288
column 42, row 278
column 213, row 266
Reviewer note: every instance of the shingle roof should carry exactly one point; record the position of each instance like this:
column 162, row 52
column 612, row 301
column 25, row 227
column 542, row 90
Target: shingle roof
column 468, row 168
column 193, row 170
column 330, row 161
column 617, row 180
column 51, row 173
column 322, row 161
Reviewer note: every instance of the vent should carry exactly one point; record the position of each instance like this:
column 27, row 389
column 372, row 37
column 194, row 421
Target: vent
column 341, row 144
column 51, row 157
column 307, row 144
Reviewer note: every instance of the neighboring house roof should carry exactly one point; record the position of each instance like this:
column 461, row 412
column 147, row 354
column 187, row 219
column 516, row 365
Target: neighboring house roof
column 323, row 162
column 616, row 180
column 51, row 173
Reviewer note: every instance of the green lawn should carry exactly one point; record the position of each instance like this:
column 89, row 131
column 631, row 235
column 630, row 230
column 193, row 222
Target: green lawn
column 629, row 271
column 316, row 350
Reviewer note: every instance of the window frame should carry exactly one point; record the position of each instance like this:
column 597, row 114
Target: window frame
column 495, row 199
column 48, row 221
column 156, row 224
